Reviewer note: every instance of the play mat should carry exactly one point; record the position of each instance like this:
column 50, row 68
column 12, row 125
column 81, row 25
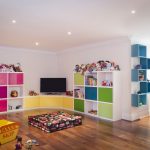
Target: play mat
column 55, row 121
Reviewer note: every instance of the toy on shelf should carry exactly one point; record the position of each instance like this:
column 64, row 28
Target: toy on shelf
column 33, row 93
column 139, row 66
column 141, row 75
column 18, row 106
column 107, row 83
column 10, row 68
column 78, row 93
column 10, row 107
column 14, row 93
column 94, row 112
column 101, row 65
column 91, row 80
column 69, row 93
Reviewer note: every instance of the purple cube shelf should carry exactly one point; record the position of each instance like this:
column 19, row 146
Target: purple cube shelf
column 3, row 92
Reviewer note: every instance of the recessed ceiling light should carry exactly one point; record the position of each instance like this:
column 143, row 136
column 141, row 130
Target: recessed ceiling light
column 69, row 33
column 133, row 11
column 13, row 21
column 36, row 43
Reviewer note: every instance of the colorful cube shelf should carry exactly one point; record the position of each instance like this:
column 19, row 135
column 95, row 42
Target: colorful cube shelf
column 78, row 79
column 79, row 105
column 105, row 95
column 11, row 82
column 105, row 110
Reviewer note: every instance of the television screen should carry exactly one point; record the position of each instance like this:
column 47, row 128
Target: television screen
column 53, row 85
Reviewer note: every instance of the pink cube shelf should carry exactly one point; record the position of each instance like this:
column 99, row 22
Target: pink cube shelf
column 3, row 78
column 3, row 105
column 15, row 78
column 3, row 91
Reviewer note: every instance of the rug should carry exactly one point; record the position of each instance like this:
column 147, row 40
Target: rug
column 55, row 121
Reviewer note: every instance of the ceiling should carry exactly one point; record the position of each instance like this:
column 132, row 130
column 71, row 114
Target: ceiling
column 89, row 21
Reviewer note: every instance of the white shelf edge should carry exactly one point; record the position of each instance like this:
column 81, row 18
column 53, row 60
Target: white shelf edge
column 15, row 110
column 105, row 86
column 105, row 102
column 91, row 100
column 13, row 98
column 11, row 72
column 90, row 85
column 3, row 99
column 79, row 98
column 89, row 114
column 15, row 85
column 78, row 85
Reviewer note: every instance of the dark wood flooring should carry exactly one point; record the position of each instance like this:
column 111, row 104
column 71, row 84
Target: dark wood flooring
column 93, row 134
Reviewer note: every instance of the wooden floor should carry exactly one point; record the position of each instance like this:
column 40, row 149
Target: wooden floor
column 94, row 134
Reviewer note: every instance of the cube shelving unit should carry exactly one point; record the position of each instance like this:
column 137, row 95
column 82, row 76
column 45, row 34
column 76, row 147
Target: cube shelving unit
column 11, row 81
column 99, row 100
column 140, row 65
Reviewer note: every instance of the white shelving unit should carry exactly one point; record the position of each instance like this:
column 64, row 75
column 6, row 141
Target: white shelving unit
column 9, row 82
column 100, row 99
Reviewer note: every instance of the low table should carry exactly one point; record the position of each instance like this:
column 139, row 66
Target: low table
column 55, row 121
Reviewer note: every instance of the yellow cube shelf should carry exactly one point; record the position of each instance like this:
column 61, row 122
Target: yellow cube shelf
column 8, row 131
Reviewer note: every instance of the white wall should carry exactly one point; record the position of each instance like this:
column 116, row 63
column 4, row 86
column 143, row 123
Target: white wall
column 35, row 64
column 118, row 50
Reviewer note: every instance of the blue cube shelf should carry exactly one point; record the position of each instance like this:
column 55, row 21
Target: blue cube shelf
column 139, row 99
column 143, row 87
column 138, row 50
column 148, row 63
column 91, row 93
column 148, row 87
column 139, row 75
column 144, row 63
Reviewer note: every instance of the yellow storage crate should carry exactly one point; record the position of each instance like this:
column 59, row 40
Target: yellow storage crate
column 8, row 131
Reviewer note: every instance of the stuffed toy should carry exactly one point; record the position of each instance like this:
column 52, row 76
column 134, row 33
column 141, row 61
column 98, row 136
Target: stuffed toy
column 12, row 68
column 14, row 93
column 29, row 144
column 108, row 65
column 93, row 66
column 19, row 143
column 18, row 67
column 83, row 69
column 112, row 66
column 117, row 67
column 33, row 93
column 77, row 68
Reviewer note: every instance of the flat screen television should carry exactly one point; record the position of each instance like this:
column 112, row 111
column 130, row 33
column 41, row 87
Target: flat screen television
column 52, row 85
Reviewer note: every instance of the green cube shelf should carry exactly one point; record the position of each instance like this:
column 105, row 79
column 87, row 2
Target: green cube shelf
column 78, row 79
column 105, row 94
column 105, row 110
column 79, row 105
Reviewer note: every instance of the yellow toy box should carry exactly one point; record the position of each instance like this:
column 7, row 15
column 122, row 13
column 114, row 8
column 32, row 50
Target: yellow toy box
column 8, row 131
